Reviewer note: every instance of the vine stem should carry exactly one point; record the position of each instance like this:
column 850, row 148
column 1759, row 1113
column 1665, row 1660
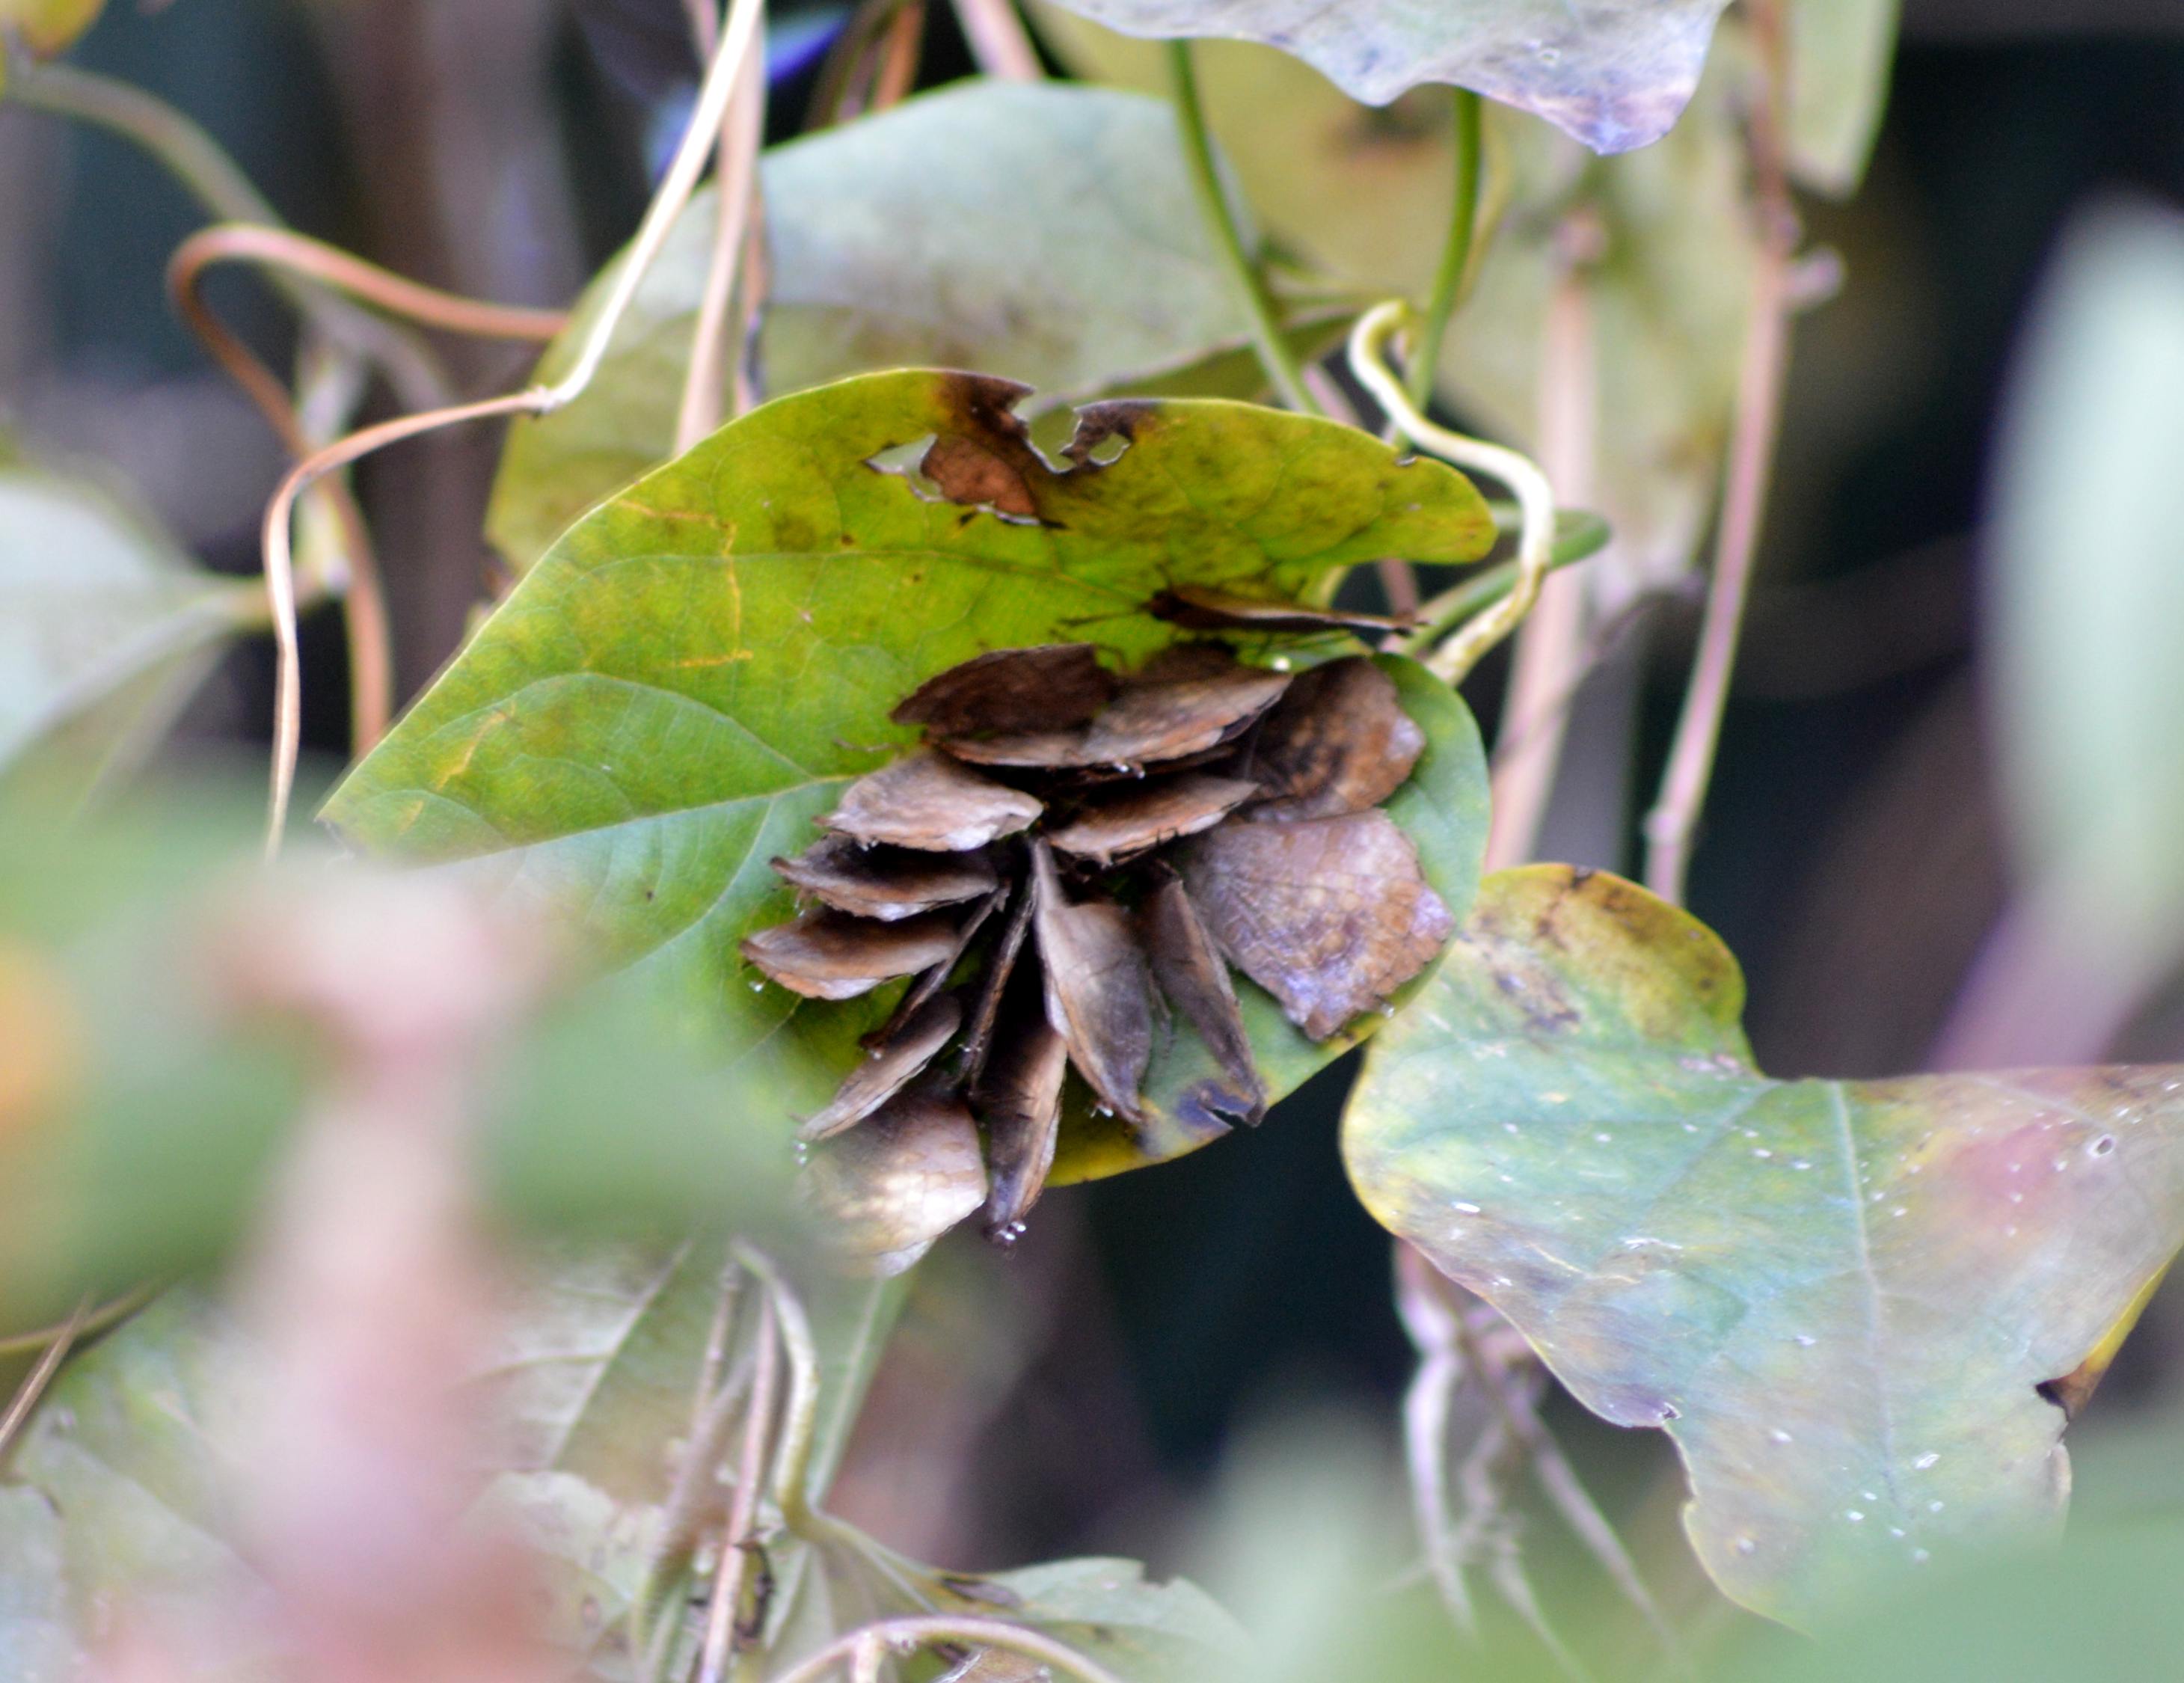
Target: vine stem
column 737, row 1538
column 25, row 1403
column 91, row 1321
column 1430, row 1321
column 1754, row 428
column 1449, row 280
column 1267, row 337
column 371, row 655
column 742, row 132
column 906, row 1634
column 1535, row 497
column 721, row 77
column 998, row 41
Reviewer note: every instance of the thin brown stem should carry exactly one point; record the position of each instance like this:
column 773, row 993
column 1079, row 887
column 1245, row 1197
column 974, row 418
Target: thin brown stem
column 998, row 41
column 25, row 1400
column 97, row 1321
column 1671, row 825
column 1551, row 645
column 739, row 1538
column 735, row 180
column 1430, row 1321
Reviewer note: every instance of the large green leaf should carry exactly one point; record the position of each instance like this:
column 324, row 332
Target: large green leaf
column 1616, row 73
column 1045, row 233
column 36, row 1646
column 695, row 669
column 1363, row 196
column 105, row 625
column 1839, row 1297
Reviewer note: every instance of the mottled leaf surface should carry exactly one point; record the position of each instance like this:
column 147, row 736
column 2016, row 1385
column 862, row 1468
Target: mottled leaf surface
column 701, row 664
column 1839, row 1297
column 1841, row 54
column 1616, row 73
column 1043, row 233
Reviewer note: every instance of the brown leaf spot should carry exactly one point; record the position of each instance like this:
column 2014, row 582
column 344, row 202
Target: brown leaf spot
column 825, row 955
column 1191, row 972
column 1144, row 816
column 887, row 1071
column 1053, row 687
column 927, row 801
column 1098, row 995
column 1339, row 741
column 891, row 1187
column 1330, row 916
column 886, row 882
column 1020, row 1100
column 969, row 473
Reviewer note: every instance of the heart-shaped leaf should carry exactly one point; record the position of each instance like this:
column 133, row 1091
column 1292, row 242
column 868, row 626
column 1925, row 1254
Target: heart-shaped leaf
column 1613, row 74
column 1043, row 232
column 1850, row 1303
column 700, row 666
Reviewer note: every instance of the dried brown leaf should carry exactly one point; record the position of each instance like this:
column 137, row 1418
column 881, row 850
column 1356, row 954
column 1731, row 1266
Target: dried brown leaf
column 935, row 979
column 927, row 801
column 1192, row 973
column 1056, row 687
column 889, row 1068
column 1338, row 742
column 893, row 1185
column 1020, row 1099
column 1000, row 965
column 1098, row 994
column 1330, row 916
column 825, row 955
column 1196, row 608
column 1145, row 815
column 967, row 473
column 886, row 882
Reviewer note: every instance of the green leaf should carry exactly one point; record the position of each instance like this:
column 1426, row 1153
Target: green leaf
column 2087, row 592
column 1841, row 54
column 1614, row 74
column 1363, row 196
column 105, row 626
column 1042, row 232
column 696, row 669
column 1107, row 1610
column 1839, row 1297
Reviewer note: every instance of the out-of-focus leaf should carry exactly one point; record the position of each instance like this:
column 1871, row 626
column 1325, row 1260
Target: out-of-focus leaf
column 48, row 26
column 701, row 666
column 36, row 1646
column 1839, row 1298
column 2087, row 588
column 105, row 625
column 1614, row 74
column 591, row 1552
column 1363, row 196
column 1841, row 54
column 1107, row 1610
column 1045, row 233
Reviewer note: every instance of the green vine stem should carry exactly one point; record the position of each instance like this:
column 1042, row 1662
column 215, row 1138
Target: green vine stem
column 1536, row 542
column 1455, row 270
column 1266, row 336
column 1579, row 535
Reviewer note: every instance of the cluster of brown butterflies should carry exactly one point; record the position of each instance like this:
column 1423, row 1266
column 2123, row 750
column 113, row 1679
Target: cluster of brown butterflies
column 1093, row 842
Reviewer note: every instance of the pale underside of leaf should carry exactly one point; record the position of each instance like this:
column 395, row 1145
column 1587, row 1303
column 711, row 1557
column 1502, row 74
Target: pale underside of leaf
column 1839, row 1298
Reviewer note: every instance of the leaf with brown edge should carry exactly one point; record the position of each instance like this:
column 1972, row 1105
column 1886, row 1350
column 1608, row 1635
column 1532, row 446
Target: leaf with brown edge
column 1195, row 608
column 1194, row 976
column 1338, row 742
column 886, row 882
column 1055, row 687
column 1330, row 916
column 1843, row 1299
column 824, row 955
column 1110, row 827
column 1019, row 1095
column 1098, row 995
column 888, row 1188
column 889, row 1068
column 926, row 801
